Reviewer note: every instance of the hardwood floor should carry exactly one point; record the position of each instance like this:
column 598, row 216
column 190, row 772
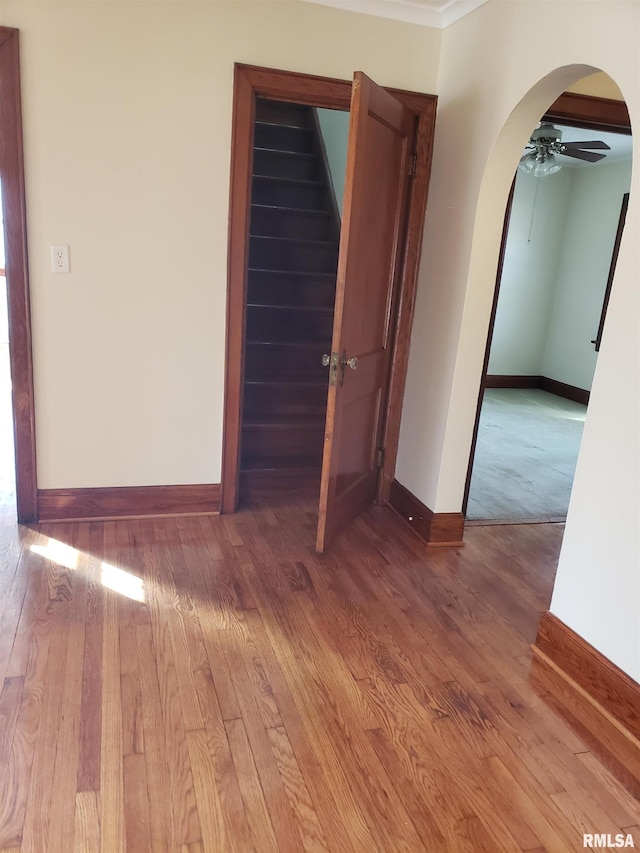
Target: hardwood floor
column 212, row 684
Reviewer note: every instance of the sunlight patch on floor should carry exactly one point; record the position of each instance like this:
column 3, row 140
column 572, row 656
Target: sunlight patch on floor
column 120, row 581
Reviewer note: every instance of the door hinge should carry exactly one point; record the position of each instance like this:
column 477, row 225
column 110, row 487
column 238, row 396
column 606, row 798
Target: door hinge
column 380, row 457
column 413, row 164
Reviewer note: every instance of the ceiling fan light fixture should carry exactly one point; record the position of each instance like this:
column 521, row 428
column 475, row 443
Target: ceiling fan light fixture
column 539, row 166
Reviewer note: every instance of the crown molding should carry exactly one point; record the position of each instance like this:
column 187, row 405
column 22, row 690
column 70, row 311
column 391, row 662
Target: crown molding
column 437, row 15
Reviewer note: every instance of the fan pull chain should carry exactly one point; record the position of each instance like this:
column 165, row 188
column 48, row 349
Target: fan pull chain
column 533, row 210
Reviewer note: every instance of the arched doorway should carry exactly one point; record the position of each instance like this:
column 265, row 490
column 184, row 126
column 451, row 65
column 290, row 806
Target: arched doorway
column 560, row 239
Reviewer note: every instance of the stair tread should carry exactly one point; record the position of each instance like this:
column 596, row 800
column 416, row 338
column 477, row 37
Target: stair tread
column 264, row 123
column 310, row 309
column 293, row 272
column 304, row 211
column 314, row 383
column 305, row 155
column 297, row 344
column 308, row 240
column 294, row 181
column 281, row 421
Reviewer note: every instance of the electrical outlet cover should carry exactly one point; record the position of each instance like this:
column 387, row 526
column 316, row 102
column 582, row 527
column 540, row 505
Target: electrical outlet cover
column 60, row 259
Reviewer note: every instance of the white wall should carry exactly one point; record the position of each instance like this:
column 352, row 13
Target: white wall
column 334, row 126
column 501, row 68
column 532, row 254
column 555, row 272
column 127, row 128
column 569, row 355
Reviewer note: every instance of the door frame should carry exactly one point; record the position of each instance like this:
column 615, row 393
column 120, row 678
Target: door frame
column 251, row 81
column 17, row 275
column 574, row 110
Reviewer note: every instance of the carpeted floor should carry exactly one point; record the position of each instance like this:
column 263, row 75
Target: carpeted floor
column 526, row 454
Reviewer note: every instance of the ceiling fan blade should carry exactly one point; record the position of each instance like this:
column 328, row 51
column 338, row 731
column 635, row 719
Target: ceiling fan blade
column 594, row 144
column 589, row 156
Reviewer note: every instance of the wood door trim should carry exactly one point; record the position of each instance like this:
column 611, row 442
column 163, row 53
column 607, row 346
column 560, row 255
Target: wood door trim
column 612, row 270
column 17, row 274
column 251, row 81
column 425, row 109
column 487, row 349
column 590, row 112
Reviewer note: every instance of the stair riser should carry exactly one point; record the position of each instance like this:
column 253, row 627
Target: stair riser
column 285, row 363
column 271, row 324
column 271, row 288
column 278, row 222
column 288, row 195
column 281, row 112
column 293, row 442
column 283, row 138
column 268, row 254
column 284, row 164
column 283, row 399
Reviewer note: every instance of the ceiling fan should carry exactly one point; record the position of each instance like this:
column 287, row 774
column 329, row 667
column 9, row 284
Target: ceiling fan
column 546, row 142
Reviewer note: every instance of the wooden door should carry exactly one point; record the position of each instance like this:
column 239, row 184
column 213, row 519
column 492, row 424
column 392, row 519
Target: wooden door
column 381, row 137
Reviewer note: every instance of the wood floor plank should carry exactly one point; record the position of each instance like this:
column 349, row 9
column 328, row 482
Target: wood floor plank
column 10, row 696
column 16, row 780
column 214, row 830
column 161, row 595
column 257, row 810
column 87, row 823
column 112, row 835
column 136, row 802
column 54, row 613
column 61, row 824
column 220, row 763
column 184, row 630
column 309, row 829
column 310, row 756
column 88, row 777
column 254, row 730
column 130, row 693
column 157, row 770
column 17, row 621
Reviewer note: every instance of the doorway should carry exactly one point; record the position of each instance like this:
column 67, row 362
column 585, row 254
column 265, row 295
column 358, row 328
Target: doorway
column 299, row 160
column 251, row 85
column 554, row 276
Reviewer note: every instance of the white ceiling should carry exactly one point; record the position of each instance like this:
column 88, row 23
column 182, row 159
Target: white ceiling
column 427, row 13
column 621, row 145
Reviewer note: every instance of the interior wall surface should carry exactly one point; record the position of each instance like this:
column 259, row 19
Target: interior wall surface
column 334, row 126
column 501, row 68
column 529, row 273
column 127, row 112
column 583, row 269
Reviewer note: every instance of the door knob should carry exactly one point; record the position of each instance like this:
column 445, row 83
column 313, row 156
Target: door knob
column 350, row 362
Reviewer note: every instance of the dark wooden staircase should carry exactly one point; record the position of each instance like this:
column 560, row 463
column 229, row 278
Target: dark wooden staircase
column 293, row 254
